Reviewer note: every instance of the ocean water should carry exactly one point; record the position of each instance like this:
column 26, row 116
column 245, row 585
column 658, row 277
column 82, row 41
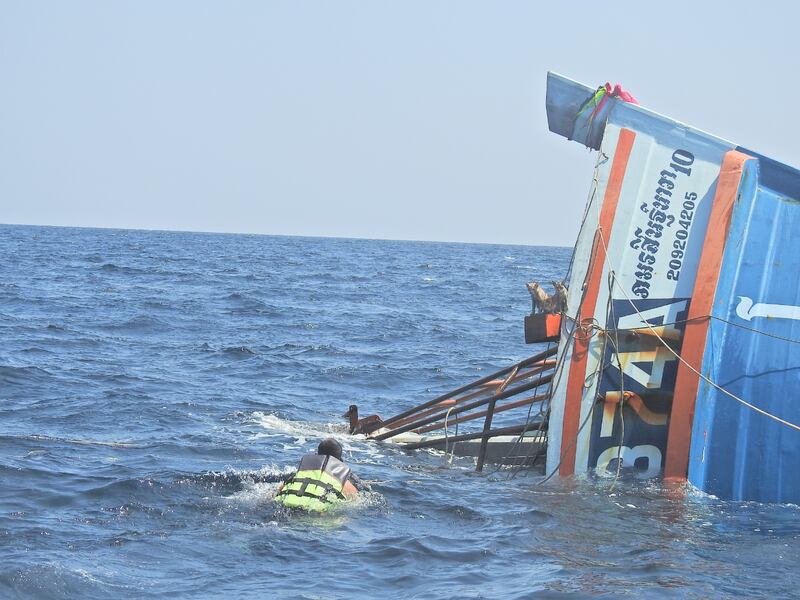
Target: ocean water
column 154, row 384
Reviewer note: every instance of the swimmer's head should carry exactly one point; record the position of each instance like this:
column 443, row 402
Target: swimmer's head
column 330, row 447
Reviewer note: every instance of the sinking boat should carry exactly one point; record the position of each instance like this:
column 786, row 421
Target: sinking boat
column 679, row 345
column 677, row 342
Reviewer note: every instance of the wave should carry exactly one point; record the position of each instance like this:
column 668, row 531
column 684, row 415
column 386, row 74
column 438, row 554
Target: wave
column 139, row 323
column 237, row 478
column 34, row 350
column 293, row 349
column 242, row 303
column 35, row 437
column 305, row 435
column 250, row 487
column 20, row 375
column 300, row 430
column 158, row 304
column 54, row 580
column 239, row 351
column 112, row 268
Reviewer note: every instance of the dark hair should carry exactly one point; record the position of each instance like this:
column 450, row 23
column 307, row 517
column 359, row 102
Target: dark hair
column 330, row 447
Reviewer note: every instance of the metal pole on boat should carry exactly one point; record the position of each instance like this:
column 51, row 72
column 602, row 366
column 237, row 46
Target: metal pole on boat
column 544, row 365
column 459, row 409
column 477, row 415
column 487, row 423
column 512, row 430
column 525, row 363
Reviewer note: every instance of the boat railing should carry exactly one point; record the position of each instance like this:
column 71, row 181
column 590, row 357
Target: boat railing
column 515, row 387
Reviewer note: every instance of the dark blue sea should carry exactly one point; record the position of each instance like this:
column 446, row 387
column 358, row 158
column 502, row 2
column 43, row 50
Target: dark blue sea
column 153, row 385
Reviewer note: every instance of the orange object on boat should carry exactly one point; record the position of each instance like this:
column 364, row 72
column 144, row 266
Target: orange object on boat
column 542, row 327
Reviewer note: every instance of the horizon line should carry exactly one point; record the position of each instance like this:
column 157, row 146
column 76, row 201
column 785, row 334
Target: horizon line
column 289, row 235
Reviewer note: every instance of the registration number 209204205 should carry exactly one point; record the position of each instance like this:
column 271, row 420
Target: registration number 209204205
column 681, row 236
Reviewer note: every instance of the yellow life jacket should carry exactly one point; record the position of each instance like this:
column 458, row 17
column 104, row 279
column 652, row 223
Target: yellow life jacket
column 318, row 483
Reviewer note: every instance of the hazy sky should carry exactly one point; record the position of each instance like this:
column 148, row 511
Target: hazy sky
column 407, row 119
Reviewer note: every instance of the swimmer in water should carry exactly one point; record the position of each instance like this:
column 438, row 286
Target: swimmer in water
column 321, row 480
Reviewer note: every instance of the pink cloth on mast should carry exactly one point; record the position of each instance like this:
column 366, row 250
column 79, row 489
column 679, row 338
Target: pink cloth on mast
column 615, row 92
column 618, row 92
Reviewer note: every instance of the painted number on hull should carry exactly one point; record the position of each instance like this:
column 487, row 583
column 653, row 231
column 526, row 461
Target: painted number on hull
column 631, row 457
column 637, row 387
column 656, row 356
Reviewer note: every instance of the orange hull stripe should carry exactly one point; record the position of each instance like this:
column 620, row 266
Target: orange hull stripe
column 679, row 436
column 577, row 372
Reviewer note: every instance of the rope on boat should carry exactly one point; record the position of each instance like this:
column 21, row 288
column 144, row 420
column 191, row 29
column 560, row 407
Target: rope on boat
column 575, row 327
column 602, row 158
column 680, row 358
column 576, row 324
column 615, row 345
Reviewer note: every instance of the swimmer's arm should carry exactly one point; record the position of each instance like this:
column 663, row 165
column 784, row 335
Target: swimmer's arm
column 349, row 490
column 286, row 477
column 359, row 483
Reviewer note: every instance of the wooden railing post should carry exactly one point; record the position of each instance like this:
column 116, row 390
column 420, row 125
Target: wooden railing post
column 487, row 423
